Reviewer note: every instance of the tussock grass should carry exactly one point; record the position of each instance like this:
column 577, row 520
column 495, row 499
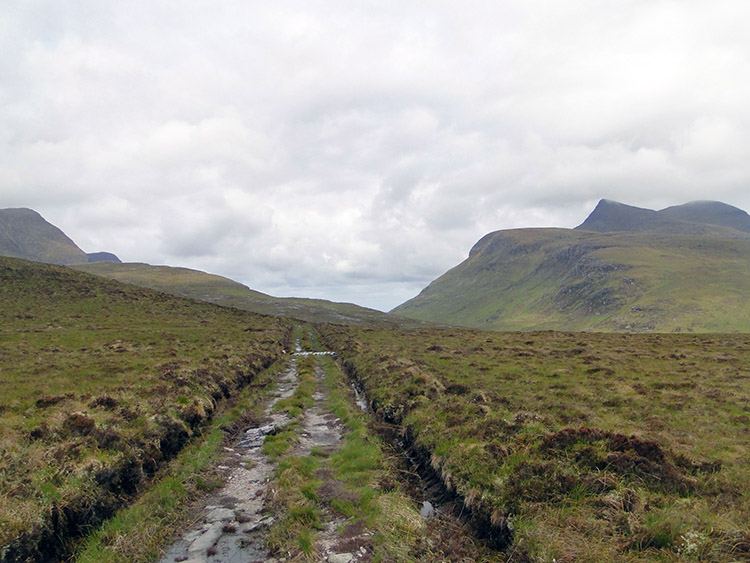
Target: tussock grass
column 102, row 383
column 137, row 532
column 587, row 446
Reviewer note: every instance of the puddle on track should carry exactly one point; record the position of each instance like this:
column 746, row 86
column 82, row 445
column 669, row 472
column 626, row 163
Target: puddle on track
column 232, row 528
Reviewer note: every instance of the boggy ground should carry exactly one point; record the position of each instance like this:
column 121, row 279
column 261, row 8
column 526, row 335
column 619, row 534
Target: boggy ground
column 585, row 447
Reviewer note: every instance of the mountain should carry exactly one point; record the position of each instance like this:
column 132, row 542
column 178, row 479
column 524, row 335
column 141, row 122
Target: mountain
column 694, row 218
column 26, row 234
column 624, row 269
column 710, row 213
column 102, row 257
column 195, row 284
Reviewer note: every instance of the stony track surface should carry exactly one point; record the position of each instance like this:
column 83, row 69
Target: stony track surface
column 230, row 529
column 232, row 524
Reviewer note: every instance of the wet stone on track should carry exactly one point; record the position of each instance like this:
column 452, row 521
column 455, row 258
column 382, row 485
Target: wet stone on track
column 232, row 526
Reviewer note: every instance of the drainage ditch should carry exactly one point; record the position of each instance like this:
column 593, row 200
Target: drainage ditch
column 423, row 482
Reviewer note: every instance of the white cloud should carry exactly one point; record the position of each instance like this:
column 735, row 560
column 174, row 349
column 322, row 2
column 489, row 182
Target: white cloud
column 355, row 151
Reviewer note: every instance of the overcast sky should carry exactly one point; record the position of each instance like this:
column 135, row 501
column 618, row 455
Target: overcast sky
column 354, row 151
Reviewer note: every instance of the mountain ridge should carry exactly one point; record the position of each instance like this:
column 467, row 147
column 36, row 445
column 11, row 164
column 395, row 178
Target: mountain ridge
column 692, row 218
column 631, row 275
column 195, row 284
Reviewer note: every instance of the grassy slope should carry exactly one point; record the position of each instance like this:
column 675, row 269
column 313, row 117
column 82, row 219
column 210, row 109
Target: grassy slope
column 223, row 291
column 597, row 447
column 537, row 279
column 102, row 382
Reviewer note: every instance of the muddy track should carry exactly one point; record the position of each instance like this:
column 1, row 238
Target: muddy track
column 231, row 523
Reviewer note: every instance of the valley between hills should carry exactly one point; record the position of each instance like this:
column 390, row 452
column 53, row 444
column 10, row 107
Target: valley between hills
column 593, row 406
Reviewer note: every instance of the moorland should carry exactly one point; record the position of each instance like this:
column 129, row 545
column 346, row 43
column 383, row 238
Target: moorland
column 569, row 446
column 624, row 437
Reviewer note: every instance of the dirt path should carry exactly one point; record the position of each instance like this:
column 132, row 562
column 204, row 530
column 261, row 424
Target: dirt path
column 232, row 525
column 230, row 529
column 335, row 543
column 236, row 523
column 319, row 428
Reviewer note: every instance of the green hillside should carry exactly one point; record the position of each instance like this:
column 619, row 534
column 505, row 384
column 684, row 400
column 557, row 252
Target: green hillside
column 25, row 234
column 102, row 383
column 223, row 291
column 535, row 279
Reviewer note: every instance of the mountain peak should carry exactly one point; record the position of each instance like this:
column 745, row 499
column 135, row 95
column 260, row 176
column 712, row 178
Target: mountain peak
column 694, row 218
column 24, row 233
column 609, row 216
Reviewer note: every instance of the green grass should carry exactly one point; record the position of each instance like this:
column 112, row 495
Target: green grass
column 102, row 383
column 295, row 506
column 593, row 446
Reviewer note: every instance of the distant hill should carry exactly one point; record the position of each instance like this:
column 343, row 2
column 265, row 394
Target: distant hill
column 24, row 233
column 102, row 257
column 195, row 284
column 624, row 269
column 710, row 213
column 695, row 218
